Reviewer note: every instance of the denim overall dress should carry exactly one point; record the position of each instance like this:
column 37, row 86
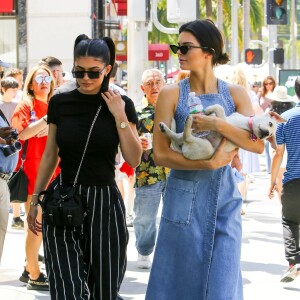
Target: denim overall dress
column 197, row 255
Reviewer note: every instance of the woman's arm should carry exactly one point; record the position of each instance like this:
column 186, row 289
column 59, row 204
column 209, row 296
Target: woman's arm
column 34, row 129
column 163, row 154
column 47, row 166
column 129, row 141
column 237, row 136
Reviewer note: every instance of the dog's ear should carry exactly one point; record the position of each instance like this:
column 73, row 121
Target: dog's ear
column 276, row 117
column 272, row 140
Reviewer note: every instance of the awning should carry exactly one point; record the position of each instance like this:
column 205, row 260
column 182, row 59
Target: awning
column 6, row 6
column 121, row 7
column 173, row 74
column 156, row 52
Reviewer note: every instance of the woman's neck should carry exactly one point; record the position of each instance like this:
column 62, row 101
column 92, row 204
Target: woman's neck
column 203, row 82
column 41, row 98
column 6, row 99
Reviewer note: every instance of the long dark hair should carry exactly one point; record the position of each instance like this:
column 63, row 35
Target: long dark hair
column 103, row 49
column 208, row 35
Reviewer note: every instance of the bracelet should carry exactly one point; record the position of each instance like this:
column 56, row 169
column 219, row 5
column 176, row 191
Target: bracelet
column 34, row 203
column 45, row 119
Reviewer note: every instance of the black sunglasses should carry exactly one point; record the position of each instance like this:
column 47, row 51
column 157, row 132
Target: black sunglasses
column 185, row 48
column 90, row 74
column 1, row 74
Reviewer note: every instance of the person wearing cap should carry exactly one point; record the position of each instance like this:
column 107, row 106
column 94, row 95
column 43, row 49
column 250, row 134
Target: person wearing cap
column 288, row 137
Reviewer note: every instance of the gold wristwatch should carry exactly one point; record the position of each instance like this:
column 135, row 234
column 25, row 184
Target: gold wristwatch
column 123, row 125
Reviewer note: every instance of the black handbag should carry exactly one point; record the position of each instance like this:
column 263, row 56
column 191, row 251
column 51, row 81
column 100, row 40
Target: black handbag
column 62, row 205
column 18, row 183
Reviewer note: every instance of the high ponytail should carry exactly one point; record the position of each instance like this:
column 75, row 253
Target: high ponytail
column 112, row 50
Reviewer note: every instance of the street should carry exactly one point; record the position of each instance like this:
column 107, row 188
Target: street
column 262, row 255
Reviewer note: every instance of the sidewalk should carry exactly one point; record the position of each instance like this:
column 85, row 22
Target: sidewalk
column 262, row 256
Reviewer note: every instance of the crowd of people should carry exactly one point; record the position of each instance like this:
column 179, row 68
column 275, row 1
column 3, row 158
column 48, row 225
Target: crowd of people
column 88, row 131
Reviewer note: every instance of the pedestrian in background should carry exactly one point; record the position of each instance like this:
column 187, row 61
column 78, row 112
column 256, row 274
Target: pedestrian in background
column 7, row 166
column 268, row 86
column 288, row 137
column 88, row 262
column 150, row 178
column 197, row 255
column 281, row 102
column 55, row 65
column 9, row 90
column 249, row 160
column 30, row 119
column 18, row 75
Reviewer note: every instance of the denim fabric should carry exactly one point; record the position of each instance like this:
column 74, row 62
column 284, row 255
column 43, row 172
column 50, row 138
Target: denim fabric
column 197, row 254
column 146, row 203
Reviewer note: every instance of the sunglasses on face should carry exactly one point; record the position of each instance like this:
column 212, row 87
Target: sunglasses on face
column 90, row 74
column 269, row 83
column 1, row 74
column 185, row 48
column 39, row 79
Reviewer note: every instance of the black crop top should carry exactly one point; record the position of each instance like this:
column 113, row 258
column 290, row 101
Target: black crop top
column 73, row 114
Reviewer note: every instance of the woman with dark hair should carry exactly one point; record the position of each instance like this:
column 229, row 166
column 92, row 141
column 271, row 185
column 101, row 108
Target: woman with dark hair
column 197, row 254
column 88, row 262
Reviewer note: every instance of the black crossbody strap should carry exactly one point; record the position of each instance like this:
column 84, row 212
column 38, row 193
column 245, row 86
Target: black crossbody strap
column 3, row 116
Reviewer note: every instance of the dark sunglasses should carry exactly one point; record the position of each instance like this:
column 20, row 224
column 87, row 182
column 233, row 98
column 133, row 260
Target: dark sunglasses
column 185, row 48
column 90, row 74
column 1, row 74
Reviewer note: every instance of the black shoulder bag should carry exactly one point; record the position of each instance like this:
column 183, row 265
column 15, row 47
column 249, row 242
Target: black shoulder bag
column 18, row 183
column 63, row 206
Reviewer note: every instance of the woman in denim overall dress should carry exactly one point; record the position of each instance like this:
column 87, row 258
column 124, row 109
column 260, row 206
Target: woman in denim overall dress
column 197, row 254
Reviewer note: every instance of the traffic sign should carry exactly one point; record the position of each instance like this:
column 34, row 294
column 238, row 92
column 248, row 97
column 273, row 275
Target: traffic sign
column 253, row 56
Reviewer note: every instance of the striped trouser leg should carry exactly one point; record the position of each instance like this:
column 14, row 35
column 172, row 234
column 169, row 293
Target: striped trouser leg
column 89, row 262
column 64, row 263
column 106, row 239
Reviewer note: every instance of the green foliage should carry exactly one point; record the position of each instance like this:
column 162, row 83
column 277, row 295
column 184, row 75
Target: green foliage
column 156, row 36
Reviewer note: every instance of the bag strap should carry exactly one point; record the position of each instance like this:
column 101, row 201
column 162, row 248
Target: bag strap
column 85, row 147
column 23, row 158
column 3, row 116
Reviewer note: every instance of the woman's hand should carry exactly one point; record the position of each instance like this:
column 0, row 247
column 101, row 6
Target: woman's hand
column 144, row 142
column 273, row 187
column 115, row 103
column 32, row 222
column 203, row 123
column 222, row 158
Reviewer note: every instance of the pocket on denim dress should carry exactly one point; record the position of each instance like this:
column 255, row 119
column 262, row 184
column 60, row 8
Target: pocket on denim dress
column 178, row 201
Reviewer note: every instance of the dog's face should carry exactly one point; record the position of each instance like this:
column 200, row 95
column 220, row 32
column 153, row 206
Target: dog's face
column 264, row 126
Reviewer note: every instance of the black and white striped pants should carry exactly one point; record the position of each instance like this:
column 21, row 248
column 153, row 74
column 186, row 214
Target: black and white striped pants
column 89, row 262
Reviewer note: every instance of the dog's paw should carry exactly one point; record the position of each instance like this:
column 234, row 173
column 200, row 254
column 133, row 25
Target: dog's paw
column 162, row 127
column 189, row 121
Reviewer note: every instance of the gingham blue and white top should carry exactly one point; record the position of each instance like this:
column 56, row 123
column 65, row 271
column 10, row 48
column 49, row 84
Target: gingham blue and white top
column 289, row 134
